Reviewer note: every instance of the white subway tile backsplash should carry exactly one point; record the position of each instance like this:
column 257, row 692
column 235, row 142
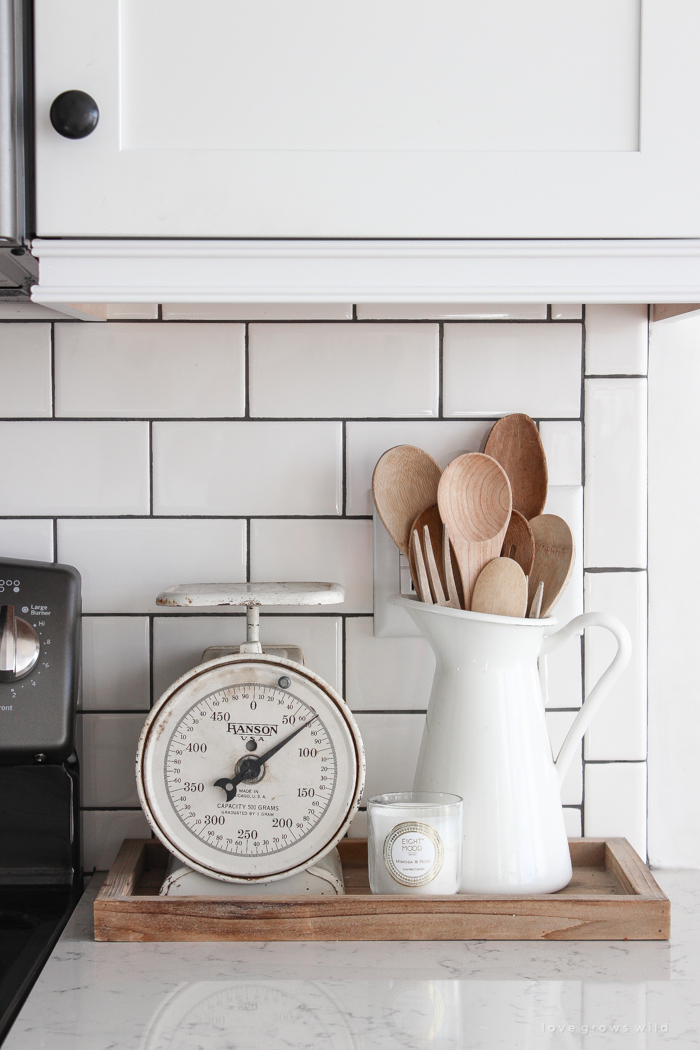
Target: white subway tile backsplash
column 559, row 723
column 25, row 370
column 452, row 311
column 312, row 549
column 158, row 370
column 494, row 369
column 288, row 471
column 26, row 539
column 616, row 473
column 108, row 758
column 343, row 370
column 619, row 730
column 389, row 570
column 76, row 468
column 572, row 822
column 358, row 828
column 179, row 641
column 116, row 663
column 257, row 311
column 567, row 502
column 616, row 340
column 391, row 744
column 125, row 563
column 563, row 667
column 131, row 311
column 563, row 448
column 105, row 830
column 247, row 468
column 385, row 674
column 367, row 441
column 616, row 802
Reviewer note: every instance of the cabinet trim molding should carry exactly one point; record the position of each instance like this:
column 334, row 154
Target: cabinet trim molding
column 387, row 271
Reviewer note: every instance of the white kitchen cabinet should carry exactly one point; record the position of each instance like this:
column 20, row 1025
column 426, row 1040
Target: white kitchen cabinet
column 371, row 118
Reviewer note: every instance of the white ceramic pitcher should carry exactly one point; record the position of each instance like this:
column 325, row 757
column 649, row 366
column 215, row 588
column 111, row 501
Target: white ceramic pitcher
column 486, row 739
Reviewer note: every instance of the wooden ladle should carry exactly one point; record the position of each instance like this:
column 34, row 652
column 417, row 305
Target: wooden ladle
column 475, row 503
column 515, row 443
column 404, row 484
column 555, row 553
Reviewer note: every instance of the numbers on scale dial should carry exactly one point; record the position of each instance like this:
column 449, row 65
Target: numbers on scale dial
column 278, row 804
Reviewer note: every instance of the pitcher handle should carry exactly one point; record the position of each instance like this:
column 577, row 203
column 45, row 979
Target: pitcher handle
column 596, row 696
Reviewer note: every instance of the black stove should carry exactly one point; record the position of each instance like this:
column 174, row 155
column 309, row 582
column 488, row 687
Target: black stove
column 40, row 872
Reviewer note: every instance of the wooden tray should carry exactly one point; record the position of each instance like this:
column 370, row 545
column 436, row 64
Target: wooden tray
column 612, row 896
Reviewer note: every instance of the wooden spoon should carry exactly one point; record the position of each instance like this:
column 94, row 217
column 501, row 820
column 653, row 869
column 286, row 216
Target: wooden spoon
column 501, row 589
column 555, row 552
column 449, row 581
column 519, row 543
column 404, row 483
column 475, row 503
column 515, row 443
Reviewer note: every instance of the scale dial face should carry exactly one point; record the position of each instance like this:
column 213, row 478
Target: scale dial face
column 250, row 767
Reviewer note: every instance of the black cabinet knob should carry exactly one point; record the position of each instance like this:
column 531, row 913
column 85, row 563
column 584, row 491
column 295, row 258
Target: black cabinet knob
column 74, row 114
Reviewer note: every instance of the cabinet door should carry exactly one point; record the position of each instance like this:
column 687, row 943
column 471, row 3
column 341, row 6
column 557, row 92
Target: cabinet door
column 371, row 118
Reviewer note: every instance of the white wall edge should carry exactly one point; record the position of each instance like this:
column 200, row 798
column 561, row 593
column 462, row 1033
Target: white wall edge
column 114, row 271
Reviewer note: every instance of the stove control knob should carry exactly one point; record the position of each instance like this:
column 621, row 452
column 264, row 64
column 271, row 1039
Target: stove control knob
column 19, row 646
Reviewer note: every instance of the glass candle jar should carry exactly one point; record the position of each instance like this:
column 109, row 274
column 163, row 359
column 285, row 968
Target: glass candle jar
column 415, row 842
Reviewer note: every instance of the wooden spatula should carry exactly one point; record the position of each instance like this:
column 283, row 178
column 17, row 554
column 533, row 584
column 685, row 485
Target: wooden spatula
column 515, row 442
column 519, row 543
column 475, row 503
column 501, row 589
column 555, row 553
column 404, row 483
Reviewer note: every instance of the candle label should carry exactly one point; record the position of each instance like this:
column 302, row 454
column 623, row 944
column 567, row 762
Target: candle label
column 413, row 853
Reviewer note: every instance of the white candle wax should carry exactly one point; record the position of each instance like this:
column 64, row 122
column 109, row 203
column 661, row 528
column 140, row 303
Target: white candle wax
column 415, row 843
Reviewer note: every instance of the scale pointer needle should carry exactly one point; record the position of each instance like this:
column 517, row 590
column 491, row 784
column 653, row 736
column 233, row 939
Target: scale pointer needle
column 252, row 764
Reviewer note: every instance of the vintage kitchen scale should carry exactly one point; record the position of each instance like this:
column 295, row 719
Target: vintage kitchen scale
column 250, row 767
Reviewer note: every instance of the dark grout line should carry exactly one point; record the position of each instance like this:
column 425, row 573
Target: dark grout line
column 614, row 761
column 150, row 468
column 291, row 419
column 615, row 569
column 582, row 638
column 344, row 469
column 52, row 366
column 113, row 711
column 389, row 711
column 151, row 669
column 188, row 517
column 344, row 659
column 110, row 809
column 441, row 371
column 202, row 611
column 246, row 372
column 616, row 375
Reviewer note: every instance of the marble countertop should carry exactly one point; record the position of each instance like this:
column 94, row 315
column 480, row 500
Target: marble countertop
column 451, row 995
